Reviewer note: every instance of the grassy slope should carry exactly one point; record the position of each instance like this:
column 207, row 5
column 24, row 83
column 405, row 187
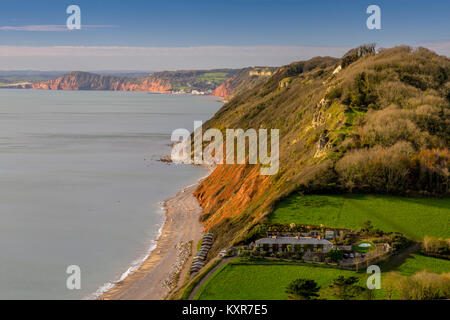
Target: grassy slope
column 240, row 281
column 414, row 217
column 261, row 282
column 417, row 262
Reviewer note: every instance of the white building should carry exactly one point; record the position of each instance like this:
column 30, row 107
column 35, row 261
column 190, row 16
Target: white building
column 329, row 234
column 296, row 244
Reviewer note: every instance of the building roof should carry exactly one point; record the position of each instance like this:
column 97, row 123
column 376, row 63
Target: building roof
column 345, row 248
column 292, row 240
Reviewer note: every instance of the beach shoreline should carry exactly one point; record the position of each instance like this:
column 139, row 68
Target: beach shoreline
column 182, row 225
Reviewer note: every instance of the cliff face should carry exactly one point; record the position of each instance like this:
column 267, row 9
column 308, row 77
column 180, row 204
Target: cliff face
column 228, row 191
column 90, row 81
column 186, row 81
column 156, row 85
column 224, row 90
column 378, row 124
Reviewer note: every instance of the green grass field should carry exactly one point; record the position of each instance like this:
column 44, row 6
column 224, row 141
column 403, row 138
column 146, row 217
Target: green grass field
column 268, row 281
column 417, row 262
column 214, row 77
column 414, row 217
column 262, row 282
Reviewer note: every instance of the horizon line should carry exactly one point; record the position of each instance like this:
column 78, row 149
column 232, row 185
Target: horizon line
column 125, row 58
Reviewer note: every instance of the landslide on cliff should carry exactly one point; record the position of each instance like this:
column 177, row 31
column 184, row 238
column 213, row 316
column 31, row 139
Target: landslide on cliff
column 369, row 122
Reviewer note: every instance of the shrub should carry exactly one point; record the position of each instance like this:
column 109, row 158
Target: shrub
column 229, row 253
column 424, row 285
column 432, row 170
column 302, row 289
column 390, row 125
column 282, row 255
column 436, row 246
column 334, row 93
column 346, row 288
column 244, row 253
column 356, row 53
column 297, row 256
column 257, row 232
column 336, row 255
column 390, row 283
column 377, row 169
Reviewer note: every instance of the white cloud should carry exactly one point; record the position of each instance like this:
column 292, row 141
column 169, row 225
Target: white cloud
column 246, row 51
column 47, row 28
column 155, row 58
column 440, row 47
column 88, row 58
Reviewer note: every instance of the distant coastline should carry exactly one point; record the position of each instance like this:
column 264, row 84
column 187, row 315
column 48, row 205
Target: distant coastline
column 196, row 82
column 222, row 83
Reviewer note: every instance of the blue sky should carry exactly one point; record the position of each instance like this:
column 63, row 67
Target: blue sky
column 320, row 27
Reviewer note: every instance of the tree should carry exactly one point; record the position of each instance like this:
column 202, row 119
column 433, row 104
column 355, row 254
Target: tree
column 336, row 255
column 367, row 226
column 425, row 285
column 302, row 289
column 356, row 53
column 346, row 288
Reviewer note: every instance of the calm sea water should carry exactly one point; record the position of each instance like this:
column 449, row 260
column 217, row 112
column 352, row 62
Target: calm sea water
column 80, row 184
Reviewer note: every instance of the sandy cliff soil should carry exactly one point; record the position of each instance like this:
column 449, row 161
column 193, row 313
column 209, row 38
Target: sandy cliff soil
column 227, row 192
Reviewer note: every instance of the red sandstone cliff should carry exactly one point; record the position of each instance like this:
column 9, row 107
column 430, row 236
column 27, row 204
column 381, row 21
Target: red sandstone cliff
column 157, row 85
column 183, row 81
column 224, row 90
column 229, row 190
column 90, row 81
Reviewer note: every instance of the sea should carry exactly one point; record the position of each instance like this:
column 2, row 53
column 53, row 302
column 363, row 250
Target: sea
column 82, row 185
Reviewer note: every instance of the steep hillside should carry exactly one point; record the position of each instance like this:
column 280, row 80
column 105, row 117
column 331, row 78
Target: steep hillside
column 195, row 81
column 243, row 80
column 370, row 122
